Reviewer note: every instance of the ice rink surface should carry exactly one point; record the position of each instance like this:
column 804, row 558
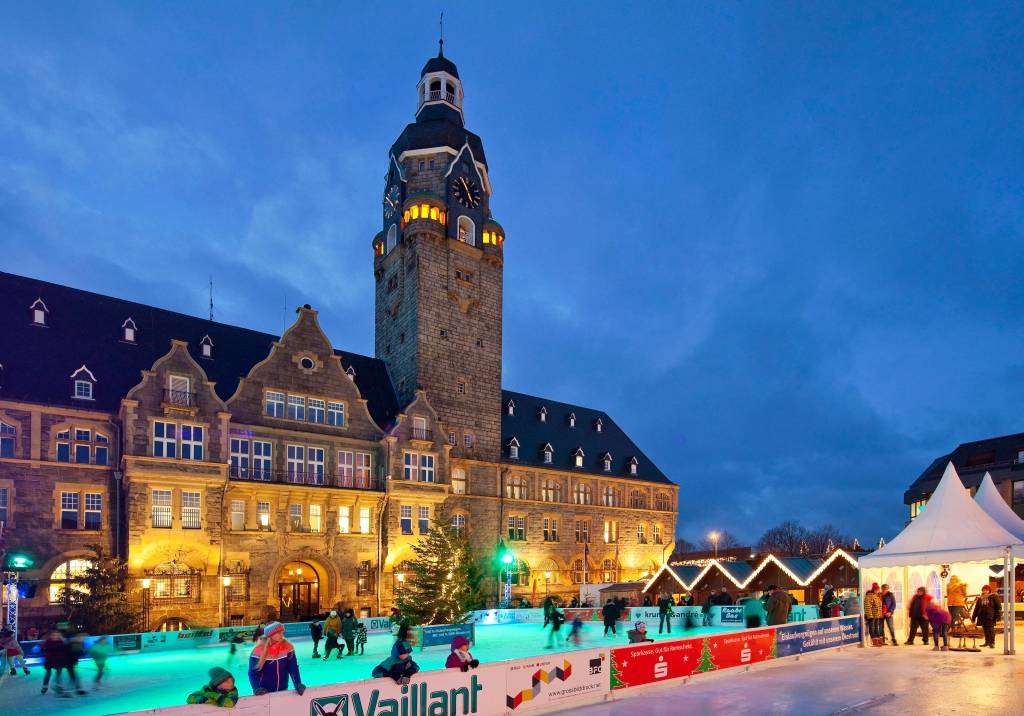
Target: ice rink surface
column 138, row 681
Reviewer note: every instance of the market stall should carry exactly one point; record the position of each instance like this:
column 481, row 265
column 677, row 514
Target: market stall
column 953, row 535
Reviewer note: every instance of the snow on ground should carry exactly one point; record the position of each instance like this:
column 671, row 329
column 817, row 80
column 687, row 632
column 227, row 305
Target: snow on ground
column 138, row 681
column 886, row 681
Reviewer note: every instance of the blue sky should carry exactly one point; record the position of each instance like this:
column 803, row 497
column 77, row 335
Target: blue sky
column 780, row 243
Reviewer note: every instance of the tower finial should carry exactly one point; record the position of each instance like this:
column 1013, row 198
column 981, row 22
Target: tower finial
column 440, row 42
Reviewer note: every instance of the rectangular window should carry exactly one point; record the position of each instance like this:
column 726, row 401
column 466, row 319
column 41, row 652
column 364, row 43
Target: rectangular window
column 263, row 515
column 314, row 518
column 238, row 515
column 161, row 508
column 296, row 463
column 656, row 533
column 93, row 511
column 100, row 453
column 426, row 468
column 424, row 520
column 5, row 505
column 81, row 454
column 296, row 407
column 641, row 533
column 467, row 439
column 583, row 531
column 165, row 439
column 262, row 459
column 516, row 528
column 275, row 404
column 452, row 439
column 239, row 458
column 7, row 434
column 83, row 389
column 550, row 530
column 336, row 414
column 316, row 410
column 315, row 465
column 1018, row 497
column 405, row 519
column 192, row 442
column 69, row 510
column 364, row 520
column 611, row 531
column 190, row 504
column 363, row 470
column 345, row 469
column 63, row 452
column 458, row 481
column 344, row 519
column 295, row 518
column 82, row 435
column 412, row 463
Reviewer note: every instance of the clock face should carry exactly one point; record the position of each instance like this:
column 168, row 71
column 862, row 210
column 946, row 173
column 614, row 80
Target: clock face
column 466, row 192
column 392, row 201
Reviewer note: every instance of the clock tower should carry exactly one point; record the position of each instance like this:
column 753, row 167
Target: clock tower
column 438, row 269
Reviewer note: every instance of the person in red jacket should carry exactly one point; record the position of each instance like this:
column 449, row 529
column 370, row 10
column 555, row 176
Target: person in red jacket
column 272, row 661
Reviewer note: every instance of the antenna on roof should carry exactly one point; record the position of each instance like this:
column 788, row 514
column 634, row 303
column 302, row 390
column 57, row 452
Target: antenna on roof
column 211, row 299
column 440, row 42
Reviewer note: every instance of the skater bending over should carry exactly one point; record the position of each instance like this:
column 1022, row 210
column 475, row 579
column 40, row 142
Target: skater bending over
column 638, row 634
column 399, row 666
column 460, row 658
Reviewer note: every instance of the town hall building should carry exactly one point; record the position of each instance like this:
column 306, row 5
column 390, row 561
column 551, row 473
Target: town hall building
column 238, row 471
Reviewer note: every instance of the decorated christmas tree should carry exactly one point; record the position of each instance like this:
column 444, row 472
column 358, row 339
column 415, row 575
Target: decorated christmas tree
column 617, row 682
column 442, row 588
column 705, row 664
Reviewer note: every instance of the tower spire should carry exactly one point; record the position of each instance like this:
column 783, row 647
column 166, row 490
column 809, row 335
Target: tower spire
column 440, row 41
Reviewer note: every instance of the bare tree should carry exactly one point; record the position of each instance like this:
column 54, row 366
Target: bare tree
column 783, row 539
column 726, row 540
column 818, row 539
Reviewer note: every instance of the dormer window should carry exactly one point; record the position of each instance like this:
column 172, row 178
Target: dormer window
column 572, row 420
column 578, row 457
column 83, row 384
column 128, row 331
column 39, row 311
column 513, row 449
column 598, row 425
column 542, row 414
column 206, row 347
column 351, row 373
column 606, row 461
column 549, row 454
column 632, row 465
column 510, row 408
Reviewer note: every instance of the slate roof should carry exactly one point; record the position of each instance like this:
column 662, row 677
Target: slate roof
column 686, row 572
column 998, row 455
column 440, row 64
column 84, row 328
column 532, row 434
column 438, row 126
column 739, row 571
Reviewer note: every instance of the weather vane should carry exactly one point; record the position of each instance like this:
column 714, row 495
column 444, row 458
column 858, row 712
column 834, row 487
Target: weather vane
column 440, row 42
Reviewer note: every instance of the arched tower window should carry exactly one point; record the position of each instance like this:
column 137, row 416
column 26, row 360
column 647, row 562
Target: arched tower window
column 467, row 231
column 392, row 238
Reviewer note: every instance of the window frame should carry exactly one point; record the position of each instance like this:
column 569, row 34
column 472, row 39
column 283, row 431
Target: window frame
column 165, row 510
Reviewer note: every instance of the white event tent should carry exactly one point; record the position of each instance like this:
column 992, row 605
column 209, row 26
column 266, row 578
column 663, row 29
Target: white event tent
column 989, row 499
column 952, row 535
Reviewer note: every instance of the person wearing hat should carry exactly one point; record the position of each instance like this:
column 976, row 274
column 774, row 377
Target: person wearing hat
column 220, row 691
column 638, row 634
column 332, row 629
column 272, row 661
column 460, row 658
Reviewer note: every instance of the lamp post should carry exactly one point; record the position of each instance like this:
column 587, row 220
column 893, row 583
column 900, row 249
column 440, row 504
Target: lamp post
column 714, row 537
column 145, row 604
column 227, row 595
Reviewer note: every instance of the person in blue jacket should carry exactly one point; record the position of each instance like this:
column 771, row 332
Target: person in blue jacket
column 272, row 661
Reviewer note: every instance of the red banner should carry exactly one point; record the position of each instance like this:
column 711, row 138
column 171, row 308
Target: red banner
column 664, row 660
column 587, row 615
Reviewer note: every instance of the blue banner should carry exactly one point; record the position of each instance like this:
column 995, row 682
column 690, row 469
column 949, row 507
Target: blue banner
column 442, row 634
column 731, row 616
column 802, row 637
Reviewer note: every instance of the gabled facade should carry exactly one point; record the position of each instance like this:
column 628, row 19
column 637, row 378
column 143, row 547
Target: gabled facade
column 240, row 472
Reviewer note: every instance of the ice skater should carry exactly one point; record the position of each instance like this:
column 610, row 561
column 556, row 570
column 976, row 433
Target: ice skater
column 272, row 662
column 332, row 628
column 638, row 634
column 220, row 691
column 316, row 633
column 361, row 638
column 460, row 658
column 400, row 666
column 576, row 631
column 12, row 652
column 556, row 619
column 348, row 631
column 98, row 652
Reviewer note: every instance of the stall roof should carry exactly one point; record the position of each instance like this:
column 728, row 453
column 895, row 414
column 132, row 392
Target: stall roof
column 995, row 506
column 622, row 587
column 951, row 528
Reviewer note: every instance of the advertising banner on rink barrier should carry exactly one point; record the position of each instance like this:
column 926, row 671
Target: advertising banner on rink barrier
column 665, row 660
column 441, row 635
column 803, row 637
column 508, row 616
column 556, row 679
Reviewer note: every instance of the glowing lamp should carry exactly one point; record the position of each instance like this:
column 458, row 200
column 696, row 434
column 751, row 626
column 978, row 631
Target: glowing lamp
column 227, row 581
column 506, row 558
column 145, row 583
column 401, row 577
column 18, row 561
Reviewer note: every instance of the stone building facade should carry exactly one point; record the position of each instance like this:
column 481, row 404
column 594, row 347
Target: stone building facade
column 238, row 471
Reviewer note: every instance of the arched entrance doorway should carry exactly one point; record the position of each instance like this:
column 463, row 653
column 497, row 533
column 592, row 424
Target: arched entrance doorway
column 298, row 592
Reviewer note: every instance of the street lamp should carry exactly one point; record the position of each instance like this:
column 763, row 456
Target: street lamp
column 714, row 537
column 227, row 595
column 506, row 559
column 145, row 604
